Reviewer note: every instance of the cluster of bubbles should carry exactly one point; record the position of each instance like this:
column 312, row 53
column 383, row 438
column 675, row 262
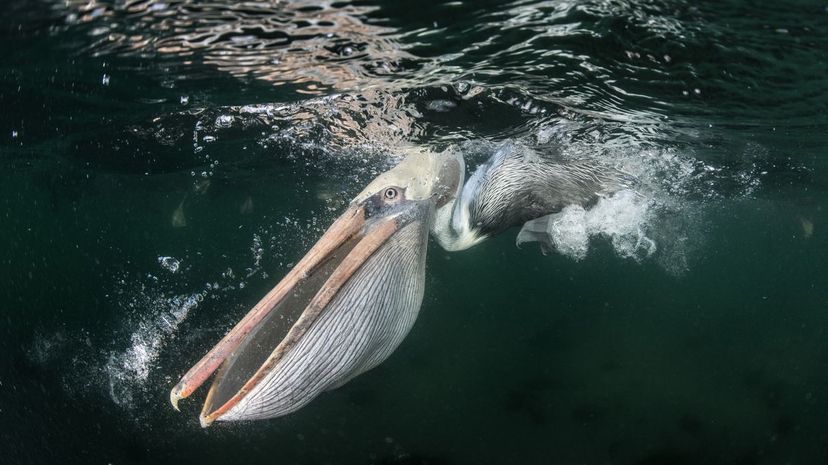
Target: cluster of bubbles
column 130, row 369
column 622, row 218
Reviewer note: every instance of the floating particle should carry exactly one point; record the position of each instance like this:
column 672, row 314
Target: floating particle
column 246, row 206
column 807, row 227
column 178, row 219
column 201, row 187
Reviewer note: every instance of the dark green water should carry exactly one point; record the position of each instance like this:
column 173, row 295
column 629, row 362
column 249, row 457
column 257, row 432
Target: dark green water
column 227, row 136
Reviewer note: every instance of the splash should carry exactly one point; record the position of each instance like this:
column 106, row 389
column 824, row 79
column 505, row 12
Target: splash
column 129, row 370
column 154, row 314
column 621, row 218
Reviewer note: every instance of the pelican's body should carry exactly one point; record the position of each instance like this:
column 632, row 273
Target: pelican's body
column 352, row 300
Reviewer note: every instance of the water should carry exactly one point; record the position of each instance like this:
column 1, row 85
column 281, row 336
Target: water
column 164, row 163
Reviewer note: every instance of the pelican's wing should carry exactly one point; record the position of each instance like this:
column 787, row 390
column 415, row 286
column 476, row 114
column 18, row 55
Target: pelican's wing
column 519, row 184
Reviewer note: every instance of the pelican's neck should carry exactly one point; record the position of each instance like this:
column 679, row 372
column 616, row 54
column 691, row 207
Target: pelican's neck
column 452, row 224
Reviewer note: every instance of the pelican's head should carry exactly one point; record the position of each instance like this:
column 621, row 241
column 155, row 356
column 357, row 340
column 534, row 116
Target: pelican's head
column 342, row 309
column 421, row 175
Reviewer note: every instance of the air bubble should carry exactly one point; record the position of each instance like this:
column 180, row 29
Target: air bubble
column 224, row 121
column 169, row 263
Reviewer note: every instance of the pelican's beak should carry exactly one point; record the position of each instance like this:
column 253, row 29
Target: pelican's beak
column 340, row 311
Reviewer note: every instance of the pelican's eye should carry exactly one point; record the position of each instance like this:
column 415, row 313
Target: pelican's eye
column 390, row 193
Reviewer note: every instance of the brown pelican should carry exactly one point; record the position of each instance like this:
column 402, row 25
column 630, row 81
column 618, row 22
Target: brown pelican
column 347, row 305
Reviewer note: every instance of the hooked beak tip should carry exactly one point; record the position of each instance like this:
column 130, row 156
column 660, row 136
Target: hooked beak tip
column 205, row 421
column 175, row 396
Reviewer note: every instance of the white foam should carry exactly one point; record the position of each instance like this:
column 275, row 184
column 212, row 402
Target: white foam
column 664, row 219
column 622, row 218
column 568, row 232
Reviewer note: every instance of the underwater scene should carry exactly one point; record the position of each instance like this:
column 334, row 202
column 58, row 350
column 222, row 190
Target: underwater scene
column 470, row 232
